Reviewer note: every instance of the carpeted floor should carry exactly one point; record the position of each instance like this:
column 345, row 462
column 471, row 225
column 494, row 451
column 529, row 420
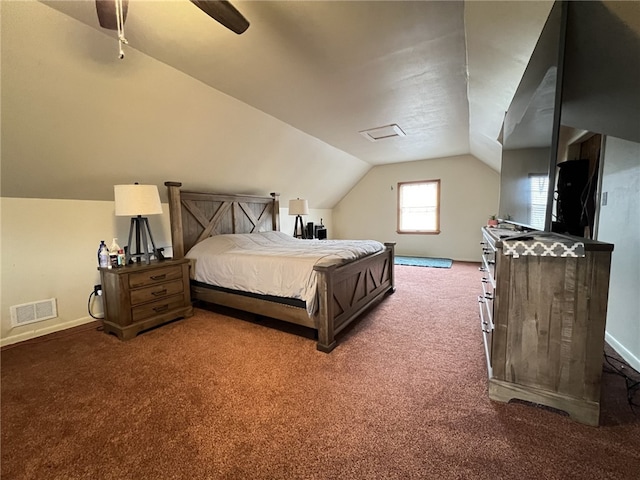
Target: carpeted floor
column 403, row 396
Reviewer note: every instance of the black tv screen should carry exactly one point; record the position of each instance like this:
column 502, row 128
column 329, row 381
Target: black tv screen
column 530, row 132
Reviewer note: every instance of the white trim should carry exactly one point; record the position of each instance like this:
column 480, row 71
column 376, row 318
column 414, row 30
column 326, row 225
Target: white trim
column 39, row 332
column 630, row 358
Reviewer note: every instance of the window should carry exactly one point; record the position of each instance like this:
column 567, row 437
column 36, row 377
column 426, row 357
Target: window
column 419, row 207
column 538, row 187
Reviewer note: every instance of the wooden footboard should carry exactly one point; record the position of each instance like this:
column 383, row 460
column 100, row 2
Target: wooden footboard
column 345, row 291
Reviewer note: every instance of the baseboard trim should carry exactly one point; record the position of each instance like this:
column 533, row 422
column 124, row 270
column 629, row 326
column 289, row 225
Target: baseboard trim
column 630, row 358
column 60, row 329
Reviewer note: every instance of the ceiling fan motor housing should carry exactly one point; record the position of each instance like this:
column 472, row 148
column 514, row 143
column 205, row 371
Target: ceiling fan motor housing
column 106, row 10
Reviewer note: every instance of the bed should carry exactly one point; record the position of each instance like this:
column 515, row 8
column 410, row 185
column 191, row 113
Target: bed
column 345, row 289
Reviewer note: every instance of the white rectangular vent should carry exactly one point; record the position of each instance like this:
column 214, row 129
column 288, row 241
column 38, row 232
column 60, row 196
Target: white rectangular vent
column 33, row 312
column 380, row 133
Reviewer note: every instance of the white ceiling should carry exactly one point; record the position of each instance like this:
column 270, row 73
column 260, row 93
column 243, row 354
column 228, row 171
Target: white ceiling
column 444, row 71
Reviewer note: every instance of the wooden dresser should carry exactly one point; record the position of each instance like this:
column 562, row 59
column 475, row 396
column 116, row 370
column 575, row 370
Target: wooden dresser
column 139, row 296
column 543, row 311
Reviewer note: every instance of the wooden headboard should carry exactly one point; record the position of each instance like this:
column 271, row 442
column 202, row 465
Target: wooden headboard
column 195, row 216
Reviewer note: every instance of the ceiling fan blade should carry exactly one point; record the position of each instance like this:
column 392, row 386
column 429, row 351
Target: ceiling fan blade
column 224, row 13
column 106, row 10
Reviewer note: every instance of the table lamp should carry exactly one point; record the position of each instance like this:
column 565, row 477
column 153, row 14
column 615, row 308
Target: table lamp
column 137, row 201
column 298, row 207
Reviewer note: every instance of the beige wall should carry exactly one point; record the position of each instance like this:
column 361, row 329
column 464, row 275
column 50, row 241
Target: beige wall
column 469, row 194
column 84, row 119
column 287, row 222
column 77, row 120
column 49, row 249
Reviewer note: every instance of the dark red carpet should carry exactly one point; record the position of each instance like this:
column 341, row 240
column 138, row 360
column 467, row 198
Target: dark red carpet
column 403, row 396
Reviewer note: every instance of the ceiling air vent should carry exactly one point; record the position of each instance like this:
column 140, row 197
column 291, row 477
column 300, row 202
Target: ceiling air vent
column 380, row 133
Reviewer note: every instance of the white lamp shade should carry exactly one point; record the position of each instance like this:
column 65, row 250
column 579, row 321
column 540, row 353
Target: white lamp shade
column 298, row 207
column 132, row 200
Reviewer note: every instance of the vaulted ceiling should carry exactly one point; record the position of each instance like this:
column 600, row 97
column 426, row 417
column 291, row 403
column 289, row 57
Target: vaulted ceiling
column 443, row 71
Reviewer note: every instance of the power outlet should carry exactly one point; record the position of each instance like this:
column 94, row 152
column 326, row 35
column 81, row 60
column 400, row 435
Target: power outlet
column 97, row 290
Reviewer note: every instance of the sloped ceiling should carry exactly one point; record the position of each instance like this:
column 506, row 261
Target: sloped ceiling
column 444, row 71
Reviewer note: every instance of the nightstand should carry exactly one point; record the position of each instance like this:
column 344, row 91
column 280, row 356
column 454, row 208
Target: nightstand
column 139, row 296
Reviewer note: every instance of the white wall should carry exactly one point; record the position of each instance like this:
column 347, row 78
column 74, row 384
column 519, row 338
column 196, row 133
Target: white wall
column 49, row 249
column 619, row 223
column 468, row 195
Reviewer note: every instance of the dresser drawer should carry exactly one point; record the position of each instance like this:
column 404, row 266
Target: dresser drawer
column 489, row 262
column 151, row 277
column 157, row 308
column 487, row 300
column 487, row 330
column 156, row 292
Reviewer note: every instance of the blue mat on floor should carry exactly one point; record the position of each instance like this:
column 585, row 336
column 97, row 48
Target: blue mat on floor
column 424, row 262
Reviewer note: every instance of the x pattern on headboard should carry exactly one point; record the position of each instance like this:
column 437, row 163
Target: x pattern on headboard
column 197, row 215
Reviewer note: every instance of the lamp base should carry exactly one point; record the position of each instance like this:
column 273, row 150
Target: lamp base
column 141, row 226
column 298, row 232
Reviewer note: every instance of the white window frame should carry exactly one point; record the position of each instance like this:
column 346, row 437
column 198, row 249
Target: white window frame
column 427, row 207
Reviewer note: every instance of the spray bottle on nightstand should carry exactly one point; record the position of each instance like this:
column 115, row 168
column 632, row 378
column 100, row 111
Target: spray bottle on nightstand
column 114, row 254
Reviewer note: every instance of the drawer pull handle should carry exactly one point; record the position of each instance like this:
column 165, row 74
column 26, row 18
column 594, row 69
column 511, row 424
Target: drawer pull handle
column 159, row 293
column 163, row 308
column 488, row 296
column 482, row 269
column 159, row 277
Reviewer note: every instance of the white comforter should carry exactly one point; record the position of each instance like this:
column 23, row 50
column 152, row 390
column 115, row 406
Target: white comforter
column 272, row 263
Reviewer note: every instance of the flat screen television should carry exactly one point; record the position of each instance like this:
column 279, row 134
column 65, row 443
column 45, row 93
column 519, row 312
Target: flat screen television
column 530, row 132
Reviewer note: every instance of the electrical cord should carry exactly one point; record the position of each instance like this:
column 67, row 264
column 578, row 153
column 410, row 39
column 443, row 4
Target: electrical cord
column 92, row 294
column 633, row 386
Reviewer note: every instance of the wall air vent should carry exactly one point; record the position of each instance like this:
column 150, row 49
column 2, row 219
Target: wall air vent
column 381, row 133
column 33, row 312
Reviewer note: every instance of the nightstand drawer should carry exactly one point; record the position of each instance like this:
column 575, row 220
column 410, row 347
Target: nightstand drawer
column 157, row 308
column 156, row 292
column 141, row 296
column 151, row 277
